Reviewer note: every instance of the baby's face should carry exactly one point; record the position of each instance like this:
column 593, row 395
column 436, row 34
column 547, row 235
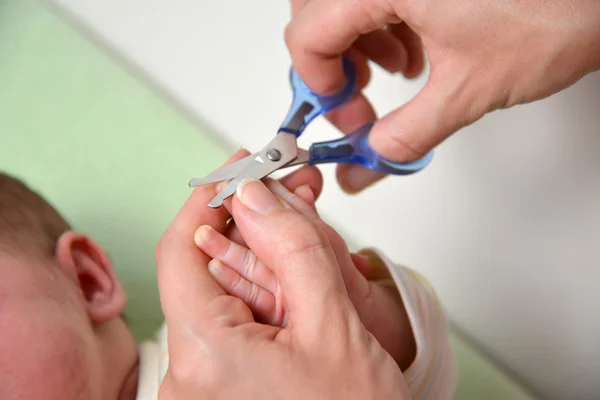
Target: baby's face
column 47, row 347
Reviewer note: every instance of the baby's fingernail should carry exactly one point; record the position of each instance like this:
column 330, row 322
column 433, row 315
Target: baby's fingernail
column 215, row 268
column 257, row 197
column 202, row 235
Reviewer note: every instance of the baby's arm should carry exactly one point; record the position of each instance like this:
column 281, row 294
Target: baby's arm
column 433, row 373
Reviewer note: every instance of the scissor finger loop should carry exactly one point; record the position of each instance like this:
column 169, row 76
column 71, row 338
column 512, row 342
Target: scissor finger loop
column 283, row 152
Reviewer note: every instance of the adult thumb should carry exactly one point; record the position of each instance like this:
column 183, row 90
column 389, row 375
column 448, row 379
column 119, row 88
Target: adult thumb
column 411, row 131
column 299, row 254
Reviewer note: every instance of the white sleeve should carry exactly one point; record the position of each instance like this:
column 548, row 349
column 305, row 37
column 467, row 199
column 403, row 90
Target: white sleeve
column 433, row 375
column 161, row 339
column 153, row 364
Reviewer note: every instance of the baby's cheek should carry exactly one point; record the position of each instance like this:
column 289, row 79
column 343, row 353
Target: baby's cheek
column 42, row 359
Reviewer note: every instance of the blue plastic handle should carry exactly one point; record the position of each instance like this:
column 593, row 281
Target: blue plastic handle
column 307, row 105
column 354, row 149
column 350, row 149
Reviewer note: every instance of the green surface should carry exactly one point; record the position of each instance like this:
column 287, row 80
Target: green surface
column 112, row 156
column 115, row 158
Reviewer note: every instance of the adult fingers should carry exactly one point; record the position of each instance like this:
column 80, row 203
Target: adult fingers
column 441, row 108
column 299, row 254
column 358, row 111
column 384, row 48
column 307, row 175
column 354, row 114
column 354, row 282
column 297, row 5
column 414, row 49
column 361, row 63
column 354, row 178
column 186, row 288
column 306, row 182
column 322, row 31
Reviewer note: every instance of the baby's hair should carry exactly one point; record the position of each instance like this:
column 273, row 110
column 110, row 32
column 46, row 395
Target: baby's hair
column 28, row 223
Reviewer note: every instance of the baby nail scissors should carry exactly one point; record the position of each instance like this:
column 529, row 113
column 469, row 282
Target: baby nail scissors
column 283, row 152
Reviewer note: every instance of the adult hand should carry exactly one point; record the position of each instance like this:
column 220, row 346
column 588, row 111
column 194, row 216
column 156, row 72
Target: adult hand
column 244, row 275
column 216, row 349
column 483, row 56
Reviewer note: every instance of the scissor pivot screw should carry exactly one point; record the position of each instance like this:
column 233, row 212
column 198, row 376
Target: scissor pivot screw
column 274, row 155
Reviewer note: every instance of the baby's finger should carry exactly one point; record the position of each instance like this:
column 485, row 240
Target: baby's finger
column 263, row 303
column 239, row 258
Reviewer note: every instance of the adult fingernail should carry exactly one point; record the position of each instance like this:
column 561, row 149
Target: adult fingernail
column 257, row 197
column 202, row 234
column 357, row 177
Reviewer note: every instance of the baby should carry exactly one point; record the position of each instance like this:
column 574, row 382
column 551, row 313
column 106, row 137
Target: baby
column 63, row 335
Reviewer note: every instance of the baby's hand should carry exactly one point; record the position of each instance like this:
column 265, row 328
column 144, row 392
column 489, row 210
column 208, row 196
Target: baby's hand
column 241, row 274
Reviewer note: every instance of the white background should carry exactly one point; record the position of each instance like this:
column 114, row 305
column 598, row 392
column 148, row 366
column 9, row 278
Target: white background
column 505, row 222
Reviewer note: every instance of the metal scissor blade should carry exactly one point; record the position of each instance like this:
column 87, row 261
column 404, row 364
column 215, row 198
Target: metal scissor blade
column 279, row 152
column 227, row 191
column 255, row 170
column 302, row 158
column 227, row 172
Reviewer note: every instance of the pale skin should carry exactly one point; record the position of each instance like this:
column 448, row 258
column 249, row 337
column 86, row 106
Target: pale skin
column 216, row 348
column 62, row 335
column 242, row 274
column 61, row 312
column 483, row 56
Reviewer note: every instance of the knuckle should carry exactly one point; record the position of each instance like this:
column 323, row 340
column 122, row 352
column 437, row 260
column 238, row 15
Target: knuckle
column 306, row 242
column 236, row 284
column 292, row 36
column 249, row 263
column 200, row 373
column 227, row 311
column 410, row 151
column 192, row 366
column 253, row 295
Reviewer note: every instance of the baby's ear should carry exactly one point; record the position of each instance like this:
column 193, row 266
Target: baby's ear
column 84, row 260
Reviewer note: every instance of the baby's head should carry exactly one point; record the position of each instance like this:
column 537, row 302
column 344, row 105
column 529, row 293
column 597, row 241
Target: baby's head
column 61, row 334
